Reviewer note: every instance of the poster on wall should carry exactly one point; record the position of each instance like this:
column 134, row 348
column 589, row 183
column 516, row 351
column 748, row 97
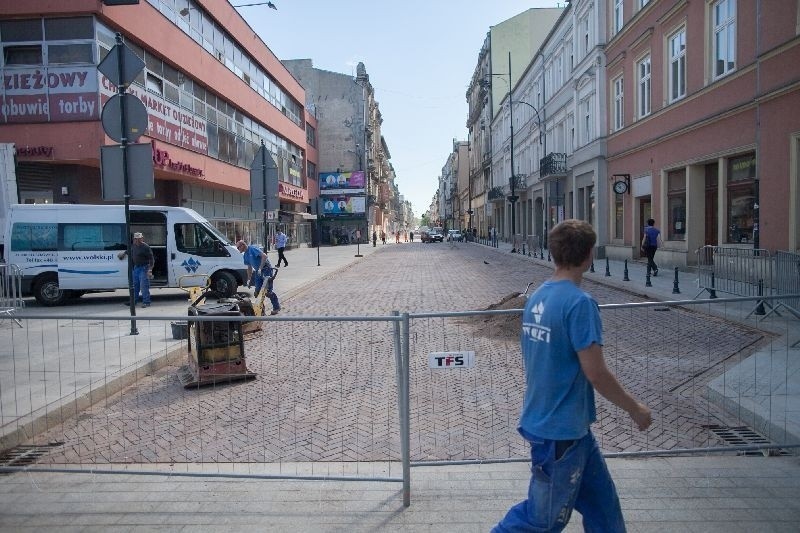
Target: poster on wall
column 341, row 182
column 344, row 205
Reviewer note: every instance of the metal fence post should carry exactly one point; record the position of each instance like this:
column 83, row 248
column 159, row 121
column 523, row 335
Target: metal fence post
column 401, row 346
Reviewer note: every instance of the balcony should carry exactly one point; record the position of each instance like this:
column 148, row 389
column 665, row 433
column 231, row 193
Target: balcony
column 553, row 164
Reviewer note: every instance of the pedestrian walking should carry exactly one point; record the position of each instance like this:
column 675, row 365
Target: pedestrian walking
column 143, row 260
column 650, row 243
column 563, row 359
column 374, row 238
column 280, row 245
column 397, row 237
column 259, row 270
column 412, row 236
column 383, row 237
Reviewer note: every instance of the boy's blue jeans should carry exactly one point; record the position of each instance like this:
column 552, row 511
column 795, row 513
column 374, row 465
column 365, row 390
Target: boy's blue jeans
column 577, row 479
column 141, row 283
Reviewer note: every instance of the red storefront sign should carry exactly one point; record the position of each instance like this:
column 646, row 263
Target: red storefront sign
column 161, row 159
column 50, row 94
column 290, row 192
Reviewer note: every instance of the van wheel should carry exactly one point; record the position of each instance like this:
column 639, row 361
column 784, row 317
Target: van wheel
column 47, row 292
column 224, row 283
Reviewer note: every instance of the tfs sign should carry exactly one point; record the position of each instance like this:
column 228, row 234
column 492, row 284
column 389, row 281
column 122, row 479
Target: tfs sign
column 441, row 360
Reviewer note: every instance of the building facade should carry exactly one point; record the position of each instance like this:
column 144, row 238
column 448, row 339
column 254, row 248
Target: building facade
column 349, row 120
column 703, row 125
column 212, row 94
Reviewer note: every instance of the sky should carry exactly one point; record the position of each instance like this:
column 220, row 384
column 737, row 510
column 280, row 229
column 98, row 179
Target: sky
column 420, row 56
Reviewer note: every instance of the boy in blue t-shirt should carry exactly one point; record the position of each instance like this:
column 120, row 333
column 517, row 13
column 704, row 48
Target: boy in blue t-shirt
column 562, row 351
column 259, row 270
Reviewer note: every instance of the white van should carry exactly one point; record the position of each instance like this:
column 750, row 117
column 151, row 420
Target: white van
column 66, row 250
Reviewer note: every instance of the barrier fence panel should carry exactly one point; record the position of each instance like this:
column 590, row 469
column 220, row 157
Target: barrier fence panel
column 787, row 279
column 736, row 271
column 324, row 402
column 11, row 291
column 704, row 377
column 333, row 396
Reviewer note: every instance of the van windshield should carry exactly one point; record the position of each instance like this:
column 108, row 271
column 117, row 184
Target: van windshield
column 214, row 231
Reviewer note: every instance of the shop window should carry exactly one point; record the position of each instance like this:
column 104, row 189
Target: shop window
column 21, row 30
column 741, row 198
column 62, row 54
column 63, row 29
column 676, row 205
column 29, row 54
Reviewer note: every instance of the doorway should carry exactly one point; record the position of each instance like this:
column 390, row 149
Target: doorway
column 645, row 213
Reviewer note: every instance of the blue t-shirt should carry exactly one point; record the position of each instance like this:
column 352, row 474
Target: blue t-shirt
column 280, row 240
column 559, row 320
column 252, row 257
column 652, row 236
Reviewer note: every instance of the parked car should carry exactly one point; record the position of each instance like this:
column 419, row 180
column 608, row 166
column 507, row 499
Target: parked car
column 432, row 235
column 455, row 235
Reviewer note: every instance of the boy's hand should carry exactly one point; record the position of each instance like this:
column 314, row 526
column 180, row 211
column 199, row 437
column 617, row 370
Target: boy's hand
column 642, row 416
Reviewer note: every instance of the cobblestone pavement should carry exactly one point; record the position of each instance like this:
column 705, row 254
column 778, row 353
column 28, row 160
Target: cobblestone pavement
column 326, row 390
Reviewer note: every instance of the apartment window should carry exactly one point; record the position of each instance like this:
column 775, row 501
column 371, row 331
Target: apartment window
column 643, row 3
column 23, row 55
column 724, row 46
column 155, row 84
column 643, row 71
column 587, row 120
column 619, row 118
column 311, row 135
column 677, row 65
column 676, row 204
column 584, row 25
column 617, row 23
column 741, row 198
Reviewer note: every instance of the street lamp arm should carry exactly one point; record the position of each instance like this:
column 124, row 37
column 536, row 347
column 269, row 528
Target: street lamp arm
column 269, row 4
column 538, row 118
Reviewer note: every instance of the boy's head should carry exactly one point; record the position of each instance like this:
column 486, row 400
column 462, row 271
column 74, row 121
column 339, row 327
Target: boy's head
column 651, row 222
column 571, row 241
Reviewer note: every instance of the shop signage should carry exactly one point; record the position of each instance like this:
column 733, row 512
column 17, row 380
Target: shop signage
column 167, row 122
column 50, row 94
column 161, row 159
column 291, row 192
column 35, row 151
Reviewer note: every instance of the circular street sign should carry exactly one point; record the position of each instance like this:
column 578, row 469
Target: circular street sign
column 135, row 117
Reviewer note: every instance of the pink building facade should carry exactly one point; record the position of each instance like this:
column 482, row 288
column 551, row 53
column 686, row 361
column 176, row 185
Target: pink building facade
column 704, row 128
column 212, row 93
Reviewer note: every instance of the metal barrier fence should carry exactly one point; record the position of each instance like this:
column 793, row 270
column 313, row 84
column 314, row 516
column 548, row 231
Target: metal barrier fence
column 11, row 291
column 367, row 398
column 748, row 272
column 787, row 279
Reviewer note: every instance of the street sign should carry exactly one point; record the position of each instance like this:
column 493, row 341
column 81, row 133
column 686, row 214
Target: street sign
column 264, row 175
column 139, row 167
column 135, row 117
column 132, row 65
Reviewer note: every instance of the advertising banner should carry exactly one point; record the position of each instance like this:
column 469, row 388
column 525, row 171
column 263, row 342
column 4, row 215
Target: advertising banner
column 344, row 206
column 339, row 183
column 167, row 121
column 49, row 94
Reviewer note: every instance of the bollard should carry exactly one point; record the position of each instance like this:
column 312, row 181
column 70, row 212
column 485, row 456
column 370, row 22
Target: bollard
column 647, row 282
column 675, row 289
column 523, row 248
column 760, row 307
column 548, row 255
column 608, row 269
column 591, row 268
column 625, row 272
column 541, row 253
column 711, row 292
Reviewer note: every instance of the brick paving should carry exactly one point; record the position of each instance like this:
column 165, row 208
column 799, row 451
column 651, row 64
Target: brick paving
column 326, row 390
